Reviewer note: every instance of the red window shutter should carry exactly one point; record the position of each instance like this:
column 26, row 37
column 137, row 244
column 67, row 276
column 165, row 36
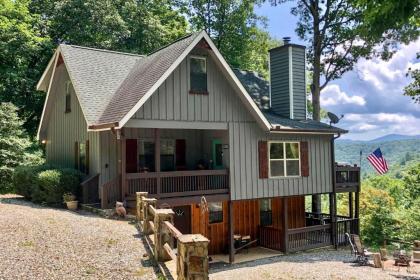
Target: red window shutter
column 304, row 159
column 263, row 159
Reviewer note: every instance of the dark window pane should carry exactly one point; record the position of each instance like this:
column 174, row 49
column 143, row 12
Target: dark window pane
column 68, row 103
column 266, row 218
column 276, row 168
column 292, row 150
column 219, row 154
column 215, row 212
column 82, row 157
column 198, row 74
column 276, row 150
column 292, row 167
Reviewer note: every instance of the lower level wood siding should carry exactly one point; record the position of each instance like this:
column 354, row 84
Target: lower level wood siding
column 246, row 220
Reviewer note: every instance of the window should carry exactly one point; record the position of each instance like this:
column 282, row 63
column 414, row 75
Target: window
column 265, row 212
column 82, row 157
column 215, row 212
column 167, row 155
column 146, row 155
column 68, row 97
column 198, row 75
column 146, row 150
column 284, row 159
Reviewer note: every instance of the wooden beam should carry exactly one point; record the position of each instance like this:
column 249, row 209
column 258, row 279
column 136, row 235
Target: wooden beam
column 351, row 205
column 176, row 124
column 333, row 214
column 231, row 233
column 157, row 158
column 285, row 224
column 123, row 144
column 356, row 212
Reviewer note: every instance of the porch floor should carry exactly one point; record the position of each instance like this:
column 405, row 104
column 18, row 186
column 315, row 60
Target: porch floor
column 253, row 253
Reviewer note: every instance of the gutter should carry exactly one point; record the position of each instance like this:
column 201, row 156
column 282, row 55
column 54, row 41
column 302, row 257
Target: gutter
column 103, row 126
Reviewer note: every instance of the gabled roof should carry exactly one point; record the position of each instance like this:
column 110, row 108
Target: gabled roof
column 112, row 86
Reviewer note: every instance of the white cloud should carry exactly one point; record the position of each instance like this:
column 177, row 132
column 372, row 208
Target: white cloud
column 333, row 95
column 382, row 74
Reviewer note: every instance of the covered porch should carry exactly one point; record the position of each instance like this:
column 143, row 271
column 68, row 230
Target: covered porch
column 174, row 165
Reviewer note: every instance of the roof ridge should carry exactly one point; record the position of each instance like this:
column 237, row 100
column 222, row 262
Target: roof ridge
column 104, row 50
column 173, row 42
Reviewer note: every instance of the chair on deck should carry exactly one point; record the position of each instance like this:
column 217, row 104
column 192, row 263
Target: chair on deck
column 362, row 255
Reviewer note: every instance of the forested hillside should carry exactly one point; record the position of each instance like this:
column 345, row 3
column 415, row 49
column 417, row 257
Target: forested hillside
column 398, row 153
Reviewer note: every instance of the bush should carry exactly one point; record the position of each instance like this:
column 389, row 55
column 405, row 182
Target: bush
column 24, row 179
column 46, row 184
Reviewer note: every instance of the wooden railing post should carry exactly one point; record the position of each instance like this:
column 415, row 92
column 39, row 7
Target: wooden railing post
column 139, row 205
column 104, row 197
column 162, row 234
column 147, row 216
column 192, row 260
column 285, row 224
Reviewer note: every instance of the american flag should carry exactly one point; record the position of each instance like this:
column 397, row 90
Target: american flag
column 378, row 161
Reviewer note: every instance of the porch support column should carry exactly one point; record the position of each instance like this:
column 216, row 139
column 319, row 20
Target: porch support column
column 285, row 225
column 157, row 159
column 231, row 233
column 333, row 215
column 351, row 205
column 356, row 211
column 123, row 166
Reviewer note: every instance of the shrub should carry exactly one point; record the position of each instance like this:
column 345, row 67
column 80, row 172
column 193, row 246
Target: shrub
column 45, row 184
column 24, row 179
column 54, row 183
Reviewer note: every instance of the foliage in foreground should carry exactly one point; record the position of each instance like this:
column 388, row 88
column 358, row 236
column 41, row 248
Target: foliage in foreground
column 15, row 147
column 46, row 184
column 390, row 207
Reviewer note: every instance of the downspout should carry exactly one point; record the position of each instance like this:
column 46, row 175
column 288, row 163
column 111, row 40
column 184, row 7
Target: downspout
column 333, row 200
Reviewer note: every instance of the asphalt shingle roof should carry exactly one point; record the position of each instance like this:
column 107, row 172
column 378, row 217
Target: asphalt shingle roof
column 109, row 84
column 142, row 77
column 96, row 76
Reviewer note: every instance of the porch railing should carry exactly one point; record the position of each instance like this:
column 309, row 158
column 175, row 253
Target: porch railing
column 346, row 178
column 178, row 183
column 308, row 237
column 346, row 225
column 271, row 238
column 110, row 193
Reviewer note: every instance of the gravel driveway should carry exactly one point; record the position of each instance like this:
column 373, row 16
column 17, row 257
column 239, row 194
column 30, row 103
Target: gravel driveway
column 321, row 264
column 44, row 243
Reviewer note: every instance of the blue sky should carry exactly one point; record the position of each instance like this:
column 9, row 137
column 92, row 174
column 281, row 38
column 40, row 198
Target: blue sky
column 370, row 96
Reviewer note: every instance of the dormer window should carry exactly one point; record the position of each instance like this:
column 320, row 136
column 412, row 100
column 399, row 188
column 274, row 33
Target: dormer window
column 198, row 75
column 68, row 97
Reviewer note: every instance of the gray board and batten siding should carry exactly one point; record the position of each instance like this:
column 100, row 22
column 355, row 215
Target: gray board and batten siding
column 287, row 78
column 173, row 102
column 63, row 129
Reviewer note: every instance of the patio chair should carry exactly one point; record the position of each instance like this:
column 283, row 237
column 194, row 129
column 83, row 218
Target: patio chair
column 362, row 255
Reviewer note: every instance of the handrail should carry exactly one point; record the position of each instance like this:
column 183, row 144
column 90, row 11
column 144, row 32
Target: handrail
column 152, row 210
column 88, row 179
column 307, row 229
column 187, row 173
column 169, row 250
column 175, row 232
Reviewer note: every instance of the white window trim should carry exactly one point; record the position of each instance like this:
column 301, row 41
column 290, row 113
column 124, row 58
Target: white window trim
column 283, row 159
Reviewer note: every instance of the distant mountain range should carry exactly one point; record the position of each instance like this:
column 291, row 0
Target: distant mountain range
column 397, row 149
column 385, row 138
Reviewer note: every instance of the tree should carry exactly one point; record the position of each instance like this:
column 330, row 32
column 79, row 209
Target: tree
column 377, row 210
column 24, row 53
column 339, row 32
column 14, row 145
column 413, row 89
column 233, row 26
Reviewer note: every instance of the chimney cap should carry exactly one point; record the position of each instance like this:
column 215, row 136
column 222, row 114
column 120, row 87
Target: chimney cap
column 286, row 40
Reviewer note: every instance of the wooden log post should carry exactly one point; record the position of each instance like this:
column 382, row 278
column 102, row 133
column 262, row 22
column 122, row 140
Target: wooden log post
column 285, row 225
column 192, row 259
column 139, row 205
column 231, row 233
column 147, row 216
column 162, row 234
